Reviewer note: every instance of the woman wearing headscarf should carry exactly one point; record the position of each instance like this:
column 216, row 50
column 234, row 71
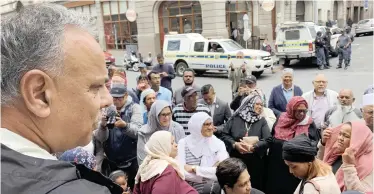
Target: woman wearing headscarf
column 299, row 154
column 79, row 156
column 200, row 152
column 247, row 122
column 349, row 150
column 291, row 123
column 159, row 119
column 160, row 172
column 147, row 98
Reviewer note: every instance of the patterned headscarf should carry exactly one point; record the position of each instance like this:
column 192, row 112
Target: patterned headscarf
column 80, row 156
column 247, row 109
column 288, row 126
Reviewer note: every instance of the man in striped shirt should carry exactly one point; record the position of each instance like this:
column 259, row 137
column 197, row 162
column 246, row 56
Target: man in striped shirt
column 183, row 111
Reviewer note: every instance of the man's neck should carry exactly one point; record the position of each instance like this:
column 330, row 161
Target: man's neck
column 11, row 120
column 189, row 109
column 186, row 84
column 287, row 86
column 319, row 93
column 156, row 88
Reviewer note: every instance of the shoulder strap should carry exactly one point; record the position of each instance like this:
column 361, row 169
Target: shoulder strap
column 315, row 185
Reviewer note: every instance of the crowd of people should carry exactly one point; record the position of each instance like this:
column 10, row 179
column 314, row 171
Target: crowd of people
column 66, row 127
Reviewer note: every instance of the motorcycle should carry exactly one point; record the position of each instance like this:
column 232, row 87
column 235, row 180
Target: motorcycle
column 131, row 62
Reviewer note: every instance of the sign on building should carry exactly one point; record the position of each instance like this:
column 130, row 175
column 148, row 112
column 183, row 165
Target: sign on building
column 366, row 4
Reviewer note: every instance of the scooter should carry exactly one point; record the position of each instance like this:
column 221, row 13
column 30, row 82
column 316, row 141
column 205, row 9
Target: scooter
column 131, row 62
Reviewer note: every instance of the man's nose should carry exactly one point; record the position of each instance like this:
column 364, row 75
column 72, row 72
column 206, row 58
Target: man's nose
column 106, row 99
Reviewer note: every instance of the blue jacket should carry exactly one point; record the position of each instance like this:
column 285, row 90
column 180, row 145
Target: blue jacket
column 277, row 101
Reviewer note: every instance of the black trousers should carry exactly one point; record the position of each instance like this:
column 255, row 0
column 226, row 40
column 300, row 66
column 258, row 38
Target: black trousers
column 130, row 169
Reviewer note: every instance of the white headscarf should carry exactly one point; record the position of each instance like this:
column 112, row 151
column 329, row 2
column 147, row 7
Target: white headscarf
column 201, row 146
column 158, row 149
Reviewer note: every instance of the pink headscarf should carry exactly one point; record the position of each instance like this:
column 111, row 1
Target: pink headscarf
column 361, row 143
column 288, row 126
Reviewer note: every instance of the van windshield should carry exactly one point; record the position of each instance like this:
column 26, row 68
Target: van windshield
column 230, row 45
column 292, row 35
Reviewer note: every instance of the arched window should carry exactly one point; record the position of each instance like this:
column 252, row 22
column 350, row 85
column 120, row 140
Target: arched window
column 180, row 17
column 235, row 11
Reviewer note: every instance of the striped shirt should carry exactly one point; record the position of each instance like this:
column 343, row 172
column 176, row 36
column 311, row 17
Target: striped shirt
column 193, row 161
column 181, row 116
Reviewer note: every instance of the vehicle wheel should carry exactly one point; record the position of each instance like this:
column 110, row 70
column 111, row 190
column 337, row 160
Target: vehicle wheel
column 257, row 74
column 135, row 67
column 200, row 72
column 181, row 66
column 127, row 68
column 287, row 62
column 358, row 34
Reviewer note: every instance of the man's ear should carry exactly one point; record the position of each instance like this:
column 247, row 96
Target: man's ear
column 35, row 88
column 353, row 100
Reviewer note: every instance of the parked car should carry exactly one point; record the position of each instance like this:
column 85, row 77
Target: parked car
column 109, row 59
column 197, row 52
column 365, row 27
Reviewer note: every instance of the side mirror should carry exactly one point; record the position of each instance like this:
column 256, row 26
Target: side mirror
column 220, row 50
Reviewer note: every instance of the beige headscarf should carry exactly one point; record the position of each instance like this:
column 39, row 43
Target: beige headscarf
column 158, row 149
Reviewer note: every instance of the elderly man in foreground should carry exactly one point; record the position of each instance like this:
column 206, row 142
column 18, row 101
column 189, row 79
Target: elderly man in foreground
column 53, row 87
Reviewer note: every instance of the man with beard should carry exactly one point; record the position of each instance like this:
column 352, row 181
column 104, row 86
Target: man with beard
column 188, row 79
column 368, row 109
column 118, row 133
column 344, row 111
column 182, row 112
column 320, row 100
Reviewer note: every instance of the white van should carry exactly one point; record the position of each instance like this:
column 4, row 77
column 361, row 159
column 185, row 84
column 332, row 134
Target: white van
column 295, row 40
column 194, row 51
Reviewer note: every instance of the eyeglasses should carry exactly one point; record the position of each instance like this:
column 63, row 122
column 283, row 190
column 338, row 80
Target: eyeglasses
column 318, row 82
column 302, row 111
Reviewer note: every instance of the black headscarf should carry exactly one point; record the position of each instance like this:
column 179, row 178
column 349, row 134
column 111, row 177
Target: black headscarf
column 300, row 149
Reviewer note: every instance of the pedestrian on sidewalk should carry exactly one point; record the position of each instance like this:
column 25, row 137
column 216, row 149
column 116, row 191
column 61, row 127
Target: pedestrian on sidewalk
column 320, row 51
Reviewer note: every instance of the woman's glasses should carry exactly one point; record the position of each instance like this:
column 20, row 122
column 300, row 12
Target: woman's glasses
column 302, row 111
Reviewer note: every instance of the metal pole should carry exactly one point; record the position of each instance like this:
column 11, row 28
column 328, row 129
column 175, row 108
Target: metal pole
column 315, row 11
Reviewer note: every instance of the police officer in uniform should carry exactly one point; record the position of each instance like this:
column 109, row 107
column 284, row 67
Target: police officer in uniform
column 328, row 48
column 320, row 51
column 351, row 36
column 342, row 45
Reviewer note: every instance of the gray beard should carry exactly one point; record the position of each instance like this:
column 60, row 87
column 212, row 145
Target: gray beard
column 345, row 109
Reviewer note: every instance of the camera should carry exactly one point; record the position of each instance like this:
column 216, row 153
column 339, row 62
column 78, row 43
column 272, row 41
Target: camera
column 111, row 117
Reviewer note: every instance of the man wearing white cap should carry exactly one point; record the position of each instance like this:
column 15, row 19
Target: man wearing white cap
column 367, row 109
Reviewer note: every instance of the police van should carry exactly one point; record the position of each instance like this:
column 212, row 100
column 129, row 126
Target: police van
column 295, row 40
column 194, row 51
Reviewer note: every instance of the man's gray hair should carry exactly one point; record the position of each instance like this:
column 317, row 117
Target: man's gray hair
column 33, row 39
column 287, row 70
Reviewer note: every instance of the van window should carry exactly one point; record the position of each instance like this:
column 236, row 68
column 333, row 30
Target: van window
column 292, row 35
column 313, row 32
column 363, row 21
column 174, row 45
column 199, row 47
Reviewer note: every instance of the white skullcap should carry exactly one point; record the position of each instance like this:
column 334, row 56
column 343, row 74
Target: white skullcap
column 368, row 99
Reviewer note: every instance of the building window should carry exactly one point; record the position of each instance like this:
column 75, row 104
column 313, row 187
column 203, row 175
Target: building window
column 180, row 17
column 235, row 10
column 117, row 29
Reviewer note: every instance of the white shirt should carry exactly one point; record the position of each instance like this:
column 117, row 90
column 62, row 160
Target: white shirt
column 23, row 146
